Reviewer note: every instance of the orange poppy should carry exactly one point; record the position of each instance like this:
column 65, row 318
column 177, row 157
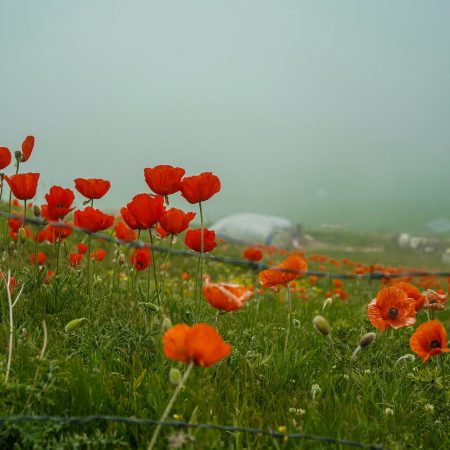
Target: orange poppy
column 193, row 239
column 412, row 293
column 428, row 340
column 391, row 307
column 226, row 296
column 59, row 202
column 201, row 344
column 146, row 210
column 5, row 157
column 93, row 220
column 253, row 254
column 284, row 272
column 433, row 300
column 164, row 179
column 175, row 221
column 42, row 258
column 23, row 185
column 92, row 188
column 124, row 232
column 99, row 254
column 27, row 148
column 200, row 188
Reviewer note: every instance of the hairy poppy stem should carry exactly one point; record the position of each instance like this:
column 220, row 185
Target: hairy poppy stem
column 89, row 272
column 10, row 201
column 202, row 247
column 58, row 248
column 170, row 405
column 154, row 267
column 288, row 330
column 163, row 283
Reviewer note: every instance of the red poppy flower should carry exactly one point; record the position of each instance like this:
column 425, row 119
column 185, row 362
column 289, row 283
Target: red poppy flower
column 124, row 232
column 93, row 220
column 42, row 258
column 226, row 296
column 276, row 275
column 92, row 188
column 49, row 276
column 164, row 179
column 253, row 254
column 201, row 344
column 141, row 258
column 54, row 232
column 192, row 240
column 146, row 210
column 15, row 224
column 82, row 248
column 27, row 148
column 41, row 236
column 23, row 185
column 99, row 255
column 412, row 293
column 391, row 307
column 129, row 218
column 59, row 202
column 75, row 259
column 176, row 221
column 5, row 157
column 162, row 233
column 200, row 188
column 428, row 340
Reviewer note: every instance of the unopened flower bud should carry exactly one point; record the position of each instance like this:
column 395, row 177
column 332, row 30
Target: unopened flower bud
column 367, row 339
column 74, row 324
column 36, row 211
column 174, row 376
column 167, row 323
column 321, row 324
column 316, row 390
column 22, row 237
column 327, row 302
column 122, row 259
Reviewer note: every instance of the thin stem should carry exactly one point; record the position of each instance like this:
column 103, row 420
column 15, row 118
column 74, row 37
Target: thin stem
column 89, row 270
column 11, row 329
column 441, row 358
column 169, row 405
column 163, row 283
column 202, row 246
column 58, row 247
column 288, row 330
column 154, row 266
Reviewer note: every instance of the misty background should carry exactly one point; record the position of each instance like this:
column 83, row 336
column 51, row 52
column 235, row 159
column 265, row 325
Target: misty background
column 320, row 111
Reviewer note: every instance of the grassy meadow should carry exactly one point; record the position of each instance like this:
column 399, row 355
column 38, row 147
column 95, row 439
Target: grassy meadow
column 113, row 362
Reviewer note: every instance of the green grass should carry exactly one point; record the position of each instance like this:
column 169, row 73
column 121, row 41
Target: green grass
column 114, row 364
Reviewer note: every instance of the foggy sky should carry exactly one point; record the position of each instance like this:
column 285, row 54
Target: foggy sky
column 321, row 111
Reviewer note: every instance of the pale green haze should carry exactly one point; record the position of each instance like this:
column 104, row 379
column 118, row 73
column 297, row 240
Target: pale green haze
column 319, row 111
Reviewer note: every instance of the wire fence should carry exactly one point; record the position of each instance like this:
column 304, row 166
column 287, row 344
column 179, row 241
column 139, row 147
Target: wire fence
column 82, row 420
column 253, row 265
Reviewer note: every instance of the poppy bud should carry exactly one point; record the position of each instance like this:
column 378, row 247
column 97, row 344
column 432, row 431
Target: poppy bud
column 316, row 390
column 74, row 324
column 36, row 211
column 167, row 323
column 22, row 237
column 18, row 156
column 367, row 339
column 327, row 302
column 406, row 358
column 174, row 376
column 321, row 324
column 121, row 259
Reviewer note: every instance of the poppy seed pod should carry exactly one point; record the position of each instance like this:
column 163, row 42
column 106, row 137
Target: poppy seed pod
column 36, row 211
column 321, row 324
column 18, row 156
column 367, row 339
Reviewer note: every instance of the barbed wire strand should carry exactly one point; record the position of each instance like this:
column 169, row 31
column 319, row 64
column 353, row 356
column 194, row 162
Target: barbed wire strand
column 80, row 420
column 253, row 265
